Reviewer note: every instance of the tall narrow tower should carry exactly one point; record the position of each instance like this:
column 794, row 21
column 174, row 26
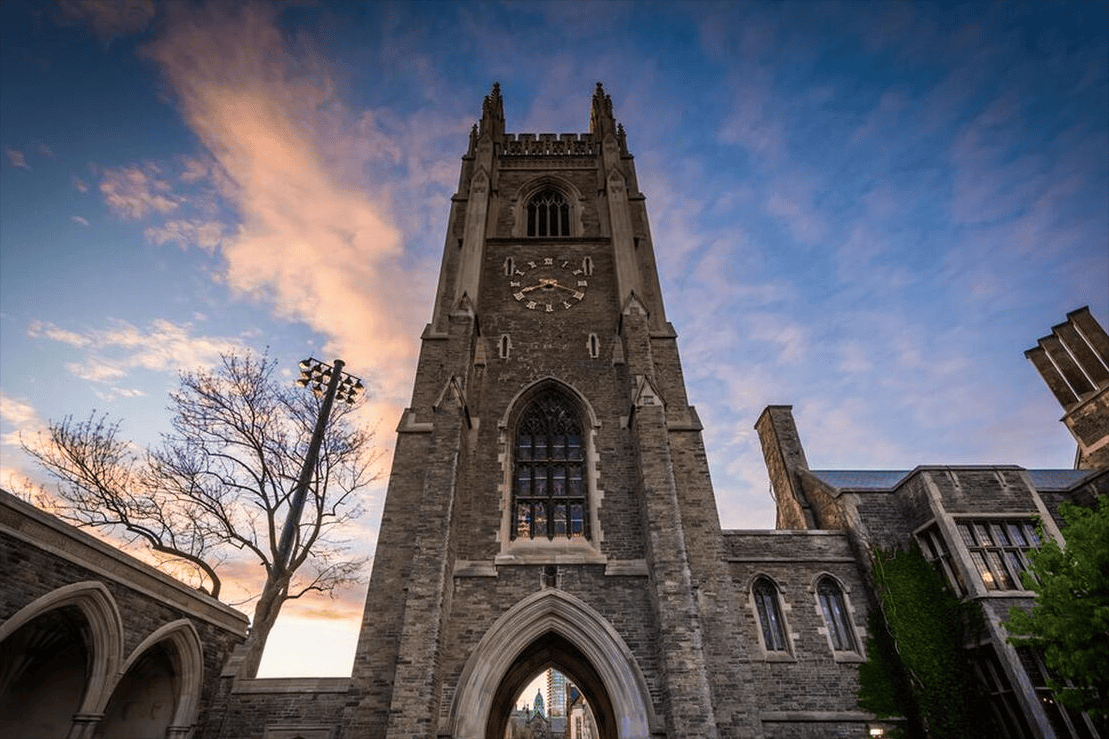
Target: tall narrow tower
column 549, row 503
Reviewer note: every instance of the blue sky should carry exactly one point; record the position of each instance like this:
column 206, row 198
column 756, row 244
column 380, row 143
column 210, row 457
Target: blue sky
column 865, row 210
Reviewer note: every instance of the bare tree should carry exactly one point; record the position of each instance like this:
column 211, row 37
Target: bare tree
column 220, row 484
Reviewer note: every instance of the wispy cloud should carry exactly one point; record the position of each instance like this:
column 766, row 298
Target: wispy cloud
column 112, row 353
column 134, row 192
column 205, row 234
column 79, row 220
column 17, row 158
column 311, row 236
column 79, row 184
column 18, row 418
column 108, row 20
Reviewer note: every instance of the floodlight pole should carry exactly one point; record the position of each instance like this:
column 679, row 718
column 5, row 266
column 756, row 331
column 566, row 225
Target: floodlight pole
column 296, row 507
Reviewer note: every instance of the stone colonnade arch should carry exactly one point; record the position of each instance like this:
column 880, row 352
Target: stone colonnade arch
column 531, row 621
column 108, row 666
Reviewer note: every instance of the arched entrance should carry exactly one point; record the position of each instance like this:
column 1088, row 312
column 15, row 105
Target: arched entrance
column 43, row 674
column 69, row 640
column 551, row 628
column 551, row 650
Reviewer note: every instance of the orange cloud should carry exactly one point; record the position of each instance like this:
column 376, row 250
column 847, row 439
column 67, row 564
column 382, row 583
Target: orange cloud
column 312, row 240
column 133, row 192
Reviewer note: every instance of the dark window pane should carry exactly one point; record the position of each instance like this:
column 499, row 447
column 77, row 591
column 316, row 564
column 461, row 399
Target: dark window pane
column 558, row 446
column 577, row 520
column 560, row 520
column 558, row 480
column 523, row 447
column 575, row 488
column 523, row 480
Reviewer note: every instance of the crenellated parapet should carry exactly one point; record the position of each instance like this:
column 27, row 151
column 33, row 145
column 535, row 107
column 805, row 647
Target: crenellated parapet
column 549, row 144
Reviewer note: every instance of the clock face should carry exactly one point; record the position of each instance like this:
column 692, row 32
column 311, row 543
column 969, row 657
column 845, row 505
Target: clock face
column 547, row 284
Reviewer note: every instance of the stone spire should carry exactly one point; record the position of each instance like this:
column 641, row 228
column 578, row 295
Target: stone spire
column 601, row 122
column 492, row 114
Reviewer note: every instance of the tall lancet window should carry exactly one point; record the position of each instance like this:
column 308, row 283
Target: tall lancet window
column 549, row 497
column 771, row 623
column 836, row 616
column 548, row 214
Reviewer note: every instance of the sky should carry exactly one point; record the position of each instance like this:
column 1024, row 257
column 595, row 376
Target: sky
column 865, row 210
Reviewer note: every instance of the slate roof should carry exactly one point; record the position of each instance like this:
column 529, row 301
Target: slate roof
column 1057, row 479
column 1045, row 480
column 861, row 479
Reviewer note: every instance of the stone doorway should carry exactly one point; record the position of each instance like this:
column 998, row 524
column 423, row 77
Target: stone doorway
column 551, row 651
column 551, row 628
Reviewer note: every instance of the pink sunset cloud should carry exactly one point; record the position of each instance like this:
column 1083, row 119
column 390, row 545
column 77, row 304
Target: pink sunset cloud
column 311, row 237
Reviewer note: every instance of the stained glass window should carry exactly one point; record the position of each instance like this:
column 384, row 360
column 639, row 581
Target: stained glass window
column 549, row 492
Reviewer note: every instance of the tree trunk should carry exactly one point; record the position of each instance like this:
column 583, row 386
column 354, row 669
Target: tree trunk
column 274, row 594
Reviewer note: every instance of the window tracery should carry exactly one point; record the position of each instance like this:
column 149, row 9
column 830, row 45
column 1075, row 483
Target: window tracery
column 549, row 492
column 548, row 214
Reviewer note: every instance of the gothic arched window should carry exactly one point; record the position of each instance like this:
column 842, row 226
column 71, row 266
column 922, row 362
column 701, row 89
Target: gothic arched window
column 549, row 495
column 771, row 623
column 548, row 214
column 834, row 607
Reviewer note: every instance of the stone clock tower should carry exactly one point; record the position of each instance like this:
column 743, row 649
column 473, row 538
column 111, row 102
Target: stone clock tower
column 549, row 503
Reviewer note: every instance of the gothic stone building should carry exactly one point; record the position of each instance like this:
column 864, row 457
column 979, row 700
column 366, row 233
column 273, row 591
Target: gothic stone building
column 550, row 504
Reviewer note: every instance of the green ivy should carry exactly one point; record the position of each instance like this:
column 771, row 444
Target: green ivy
column 917, row 666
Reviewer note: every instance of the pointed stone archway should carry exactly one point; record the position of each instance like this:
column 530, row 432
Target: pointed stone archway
column 551, row 650
column 551, row 628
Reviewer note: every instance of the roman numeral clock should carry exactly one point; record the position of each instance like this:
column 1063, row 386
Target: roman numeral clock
column 548, row 284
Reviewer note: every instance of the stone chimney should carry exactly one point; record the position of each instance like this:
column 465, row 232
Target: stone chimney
column 784, row 456
column 1074, row 362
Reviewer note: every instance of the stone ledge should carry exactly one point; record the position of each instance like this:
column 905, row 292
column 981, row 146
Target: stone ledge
column 815, row 716
column 799, row 558
column 470, row 568
column 627, row 568
column 291, row 685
